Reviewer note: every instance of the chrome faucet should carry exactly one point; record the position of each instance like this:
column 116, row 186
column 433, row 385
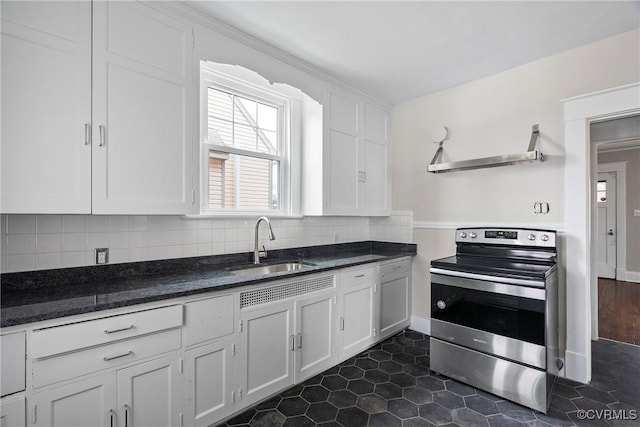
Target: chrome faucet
column 257, row 253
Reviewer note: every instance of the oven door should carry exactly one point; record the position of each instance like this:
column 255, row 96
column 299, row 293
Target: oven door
column 501, row 319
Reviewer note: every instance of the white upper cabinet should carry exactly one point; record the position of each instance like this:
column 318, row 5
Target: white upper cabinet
column 46, row 104
column 376, row 185
column 141, row 79
column 112, row 140
column 343, row 155
column 355, row 175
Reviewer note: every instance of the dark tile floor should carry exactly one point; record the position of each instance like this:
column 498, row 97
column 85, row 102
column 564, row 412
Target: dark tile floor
column 391, row 385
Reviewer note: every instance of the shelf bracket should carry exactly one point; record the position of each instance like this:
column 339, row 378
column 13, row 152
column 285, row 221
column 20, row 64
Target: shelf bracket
column 532, row 155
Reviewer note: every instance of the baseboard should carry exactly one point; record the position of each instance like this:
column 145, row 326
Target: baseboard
column 420, row 324
column 575, row 367
column 632, row 276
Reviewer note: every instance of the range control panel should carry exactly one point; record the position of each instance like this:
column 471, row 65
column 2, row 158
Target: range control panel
column 507, row 236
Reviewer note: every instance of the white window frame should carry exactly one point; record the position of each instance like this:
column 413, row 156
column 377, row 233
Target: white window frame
column 245, row 83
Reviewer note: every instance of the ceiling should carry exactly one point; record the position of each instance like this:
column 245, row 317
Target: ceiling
column 400, row 50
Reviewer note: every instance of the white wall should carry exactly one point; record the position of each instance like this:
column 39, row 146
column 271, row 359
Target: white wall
column 493, row 116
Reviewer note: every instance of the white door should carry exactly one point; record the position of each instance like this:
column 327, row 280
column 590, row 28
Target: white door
column 344, row 174
column 149, row 394
column 357, row 321
column 85, row 403
column 46, row 104
column 13, row 413
column 314, row 335
column 394, row 305
column 209, row 382
column 141, row 82
column 375, row 179
column 375, row 157
column 267, row 351
column 606, row 202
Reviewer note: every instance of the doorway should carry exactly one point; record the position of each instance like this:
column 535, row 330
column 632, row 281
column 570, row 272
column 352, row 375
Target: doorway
column 579, row 251
column 618, row 169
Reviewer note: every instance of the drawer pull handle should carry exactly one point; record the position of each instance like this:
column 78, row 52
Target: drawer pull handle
column 359, row 275
column 117, row 356
column 111, row 416
column 112, row 331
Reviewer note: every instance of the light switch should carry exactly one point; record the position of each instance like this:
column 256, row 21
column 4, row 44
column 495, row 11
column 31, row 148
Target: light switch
column 636, row 212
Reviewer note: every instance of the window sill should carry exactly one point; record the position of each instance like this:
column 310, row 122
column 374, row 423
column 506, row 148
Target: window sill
column 242, row 215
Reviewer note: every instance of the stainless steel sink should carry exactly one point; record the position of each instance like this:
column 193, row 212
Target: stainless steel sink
column 270, row 268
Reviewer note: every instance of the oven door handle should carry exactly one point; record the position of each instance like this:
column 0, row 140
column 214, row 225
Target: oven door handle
column 486, row 285
column 507, row 280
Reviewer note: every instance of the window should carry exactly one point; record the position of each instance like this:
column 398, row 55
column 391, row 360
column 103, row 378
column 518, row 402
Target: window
column 246, row 145
column 601, row 191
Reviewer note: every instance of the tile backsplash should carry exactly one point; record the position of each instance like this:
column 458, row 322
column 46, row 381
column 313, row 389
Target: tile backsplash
column 37, row 242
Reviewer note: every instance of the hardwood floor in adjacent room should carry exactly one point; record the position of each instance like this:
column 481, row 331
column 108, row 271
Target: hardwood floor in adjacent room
column 619, row 310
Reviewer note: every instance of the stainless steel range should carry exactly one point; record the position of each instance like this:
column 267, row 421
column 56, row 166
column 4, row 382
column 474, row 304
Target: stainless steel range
column 494, row 313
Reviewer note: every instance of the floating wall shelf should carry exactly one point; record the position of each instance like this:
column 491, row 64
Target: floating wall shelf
column 532, row 155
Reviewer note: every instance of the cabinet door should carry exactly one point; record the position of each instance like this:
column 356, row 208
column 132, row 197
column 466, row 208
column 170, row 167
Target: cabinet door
column 209, row 382
column 357, row 319
column 46, row 103
column 314, row 335
column 394, row 305
column 150, row 394
column 267, row 351
column 13, row 413
column 342, row 156
column 377, row 173
column 142, row 139
column 89, row 402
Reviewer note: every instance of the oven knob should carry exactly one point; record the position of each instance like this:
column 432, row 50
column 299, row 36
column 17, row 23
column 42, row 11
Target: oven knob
column 473, row 235
column 532, row 236
column 441, row 305
column 544, row 238
column 463, row 235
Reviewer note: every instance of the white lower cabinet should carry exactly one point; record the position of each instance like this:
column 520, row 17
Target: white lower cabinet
column 210, row 337
column 267, row 343
column 395, row 297
column 209, row 394
column 315, row 330
column 90, row 402
column 357, row 310
column 285, row 341
column 148, row 394
column 357, row 319
column 13, row 412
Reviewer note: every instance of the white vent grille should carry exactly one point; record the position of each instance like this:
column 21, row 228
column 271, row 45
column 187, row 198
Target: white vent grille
column 287, row 290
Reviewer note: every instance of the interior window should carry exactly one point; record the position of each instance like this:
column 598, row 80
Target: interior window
column 245, row 146
column 601, row 191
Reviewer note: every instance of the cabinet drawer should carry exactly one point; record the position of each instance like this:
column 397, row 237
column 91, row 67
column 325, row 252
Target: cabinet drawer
column 208, row 319
column 358, row 276
column 54, row 369
column 61, row 339
column 393, row 269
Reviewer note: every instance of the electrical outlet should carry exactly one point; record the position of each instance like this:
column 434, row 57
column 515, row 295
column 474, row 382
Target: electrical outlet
column 636, row 212
column 102, row 255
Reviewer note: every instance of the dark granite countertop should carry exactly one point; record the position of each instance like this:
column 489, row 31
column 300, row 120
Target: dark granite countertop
column 48, row 294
